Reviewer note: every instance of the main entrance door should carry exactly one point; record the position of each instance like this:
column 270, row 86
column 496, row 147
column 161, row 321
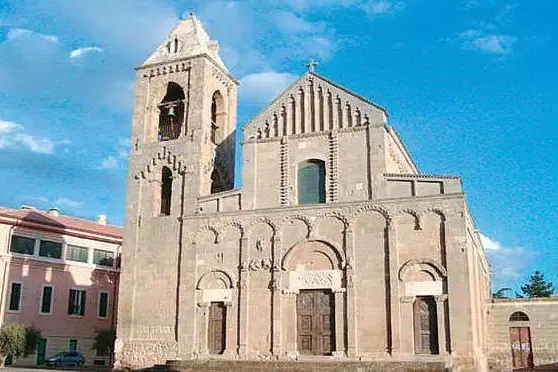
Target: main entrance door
column 217, row 328
column 315, row 324
column 520, row 338
column 426, row 326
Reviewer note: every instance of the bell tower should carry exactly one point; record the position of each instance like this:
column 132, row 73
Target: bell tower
column 182, row 148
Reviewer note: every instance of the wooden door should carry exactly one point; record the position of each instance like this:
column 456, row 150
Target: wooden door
column 41, row 351
column 217, row 328
column 520, row 339
column 426, row 326
column 315, row 324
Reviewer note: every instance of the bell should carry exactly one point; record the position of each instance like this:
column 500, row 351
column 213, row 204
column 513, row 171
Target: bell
column 171, row 112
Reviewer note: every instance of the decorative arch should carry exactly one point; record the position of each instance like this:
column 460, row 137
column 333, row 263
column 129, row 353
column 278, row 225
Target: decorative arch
column 218, row 117
column 165, row 156
column 215, row 278
column 416, row 215
column 371, row 208
column 428, row 265
column 264, row 220
column 338, row 215
column 437, row 211
column 519, row 316
column 236, row 224
column 309, row 224
column 211, row 228
column 335, row 255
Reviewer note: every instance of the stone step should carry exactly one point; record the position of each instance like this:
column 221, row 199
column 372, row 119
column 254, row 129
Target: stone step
column 260, row 366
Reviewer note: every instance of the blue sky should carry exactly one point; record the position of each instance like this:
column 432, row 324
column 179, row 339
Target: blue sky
column 470, row 86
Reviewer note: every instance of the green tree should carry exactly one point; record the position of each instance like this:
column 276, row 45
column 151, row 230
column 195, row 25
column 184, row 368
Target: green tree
column 501, row 293
column 537, row 286
column 12, row 341
column 32, row 337
column 104, row 342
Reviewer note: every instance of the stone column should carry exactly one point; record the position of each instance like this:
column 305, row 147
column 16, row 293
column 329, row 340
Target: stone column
column 290, row 323
column 339, row 352
column 337, row 116
column 395, row 316
column 299, row 118
column 441, row 317
column 203, row 308
column 407, row 335
column 351, row 316
column 231, row 326
column 276, row 286
column 309, row 91
column 243, row 299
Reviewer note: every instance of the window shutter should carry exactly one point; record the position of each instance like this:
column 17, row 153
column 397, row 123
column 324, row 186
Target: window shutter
column 82, row 305
column 71, row 302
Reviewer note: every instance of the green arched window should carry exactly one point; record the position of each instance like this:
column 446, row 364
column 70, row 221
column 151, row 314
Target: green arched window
column 311, row 182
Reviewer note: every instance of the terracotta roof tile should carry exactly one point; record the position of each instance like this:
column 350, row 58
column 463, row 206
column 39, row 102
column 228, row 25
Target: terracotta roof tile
column 61, row 222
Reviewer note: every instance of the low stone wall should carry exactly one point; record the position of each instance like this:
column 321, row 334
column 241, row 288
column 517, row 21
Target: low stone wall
column 133, row 355
column 230, row 366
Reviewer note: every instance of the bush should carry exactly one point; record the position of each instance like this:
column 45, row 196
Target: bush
column 32, row 337
column 104, row 342
column 12, row 341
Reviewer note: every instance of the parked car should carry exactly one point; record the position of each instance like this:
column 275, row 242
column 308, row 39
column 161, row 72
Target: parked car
column 66, row 358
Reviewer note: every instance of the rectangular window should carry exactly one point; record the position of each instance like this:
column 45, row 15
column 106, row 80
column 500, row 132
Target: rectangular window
column 50, row 249
column 22, row 245
column 46, row 300
column 104, row 258
column 15, row 297
column 73, row 346
column 75, row 253
column 103, row 304
column 76, row 304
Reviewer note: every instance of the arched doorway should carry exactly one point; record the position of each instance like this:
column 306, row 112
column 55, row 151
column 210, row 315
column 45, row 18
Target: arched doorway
column 520, row 340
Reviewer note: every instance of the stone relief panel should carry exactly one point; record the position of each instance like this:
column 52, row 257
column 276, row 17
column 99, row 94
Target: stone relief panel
column 260, row 256
column 315, row 279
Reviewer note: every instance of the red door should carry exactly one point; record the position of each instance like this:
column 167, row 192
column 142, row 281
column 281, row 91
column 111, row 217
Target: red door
column 520, row 339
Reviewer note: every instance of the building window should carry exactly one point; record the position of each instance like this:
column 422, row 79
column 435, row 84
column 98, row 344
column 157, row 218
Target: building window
column 15, row 297
column 22, row 245
column 103, row 304
column 519, row 316
column 46, row 300
column 75, row 253
column 218, row 117
column 311, row 182
column 76, row 304
column 50, row 249
column 103, row 258
column 72, row 347
column 166, row 191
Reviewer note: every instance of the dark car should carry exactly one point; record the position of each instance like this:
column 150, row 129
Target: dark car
column 66, row 358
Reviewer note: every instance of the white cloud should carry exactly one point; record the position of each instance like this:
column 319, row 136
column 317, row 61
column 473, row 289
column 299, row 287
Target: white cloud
column 264, row 86
column 25, row 34
column 80, row 52
column 508, row 263
column 290, row 23
column 490, row 43
column 382, row 7
column 63, row 203
column 68, row 203
column 14, row 136
column 117, row 161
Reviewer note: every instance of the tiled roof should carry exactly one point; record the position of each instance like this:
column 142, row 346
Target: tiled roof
column 61, row 222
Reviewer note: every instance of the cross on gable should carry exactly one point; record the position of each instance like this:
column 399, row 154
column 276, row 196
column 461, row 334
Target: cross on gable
column 311, row 65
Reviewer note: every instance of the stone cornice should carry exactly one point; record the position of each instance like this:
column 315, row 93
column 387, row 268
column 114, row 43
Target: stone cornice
column 421, row 176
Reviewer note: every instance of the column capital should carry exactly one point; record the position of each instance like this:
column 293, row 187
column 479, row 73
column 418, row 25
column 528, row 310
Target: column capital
column 288, row 291
column 339, row 290
column 203, row 304
column 441, row 298
column 408, row 299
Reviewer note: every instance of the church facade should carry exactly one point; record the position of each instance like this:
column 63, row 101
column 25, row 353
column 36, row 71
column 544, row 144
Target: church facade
column 335, row 248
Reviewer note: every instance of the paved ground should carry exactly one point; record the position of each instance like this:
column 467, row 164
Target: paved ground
column 65, row 369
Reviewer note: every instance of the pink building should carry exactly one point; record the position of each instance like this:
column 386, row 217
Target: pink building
column 59, row 274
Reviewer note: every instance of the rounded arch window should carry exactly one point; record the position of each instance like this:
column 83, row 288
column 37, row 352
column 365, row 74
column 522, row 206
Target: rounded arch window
column 171, row 113
column 218, row 117
column 519, row 316
column 311, row 182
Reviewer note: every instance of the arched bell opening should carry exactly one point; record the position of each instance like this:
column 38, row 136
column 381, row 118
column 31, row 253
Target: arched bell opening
column 171, row 113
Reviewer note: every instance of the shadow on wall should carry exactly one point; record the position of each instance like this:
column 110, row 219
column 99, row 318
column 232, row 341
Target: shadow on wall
column 61, row 300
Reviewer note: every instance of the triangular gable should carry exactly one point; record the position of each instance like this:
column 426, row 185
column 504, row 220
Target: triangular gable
column 321, row 105
column 188, row 39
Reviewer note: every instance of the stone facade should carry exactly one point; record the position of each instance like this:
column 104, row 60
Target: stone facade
column 385, row 241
